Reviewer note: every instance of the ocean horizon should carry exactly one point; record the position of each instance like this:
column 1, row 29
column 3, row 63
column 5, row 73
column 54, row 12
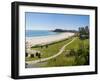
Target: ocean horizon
column 38, row 33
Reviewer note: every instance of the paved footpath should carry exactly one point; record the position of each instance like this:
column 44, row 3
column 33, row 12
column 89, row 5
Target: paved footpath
column 51, row 57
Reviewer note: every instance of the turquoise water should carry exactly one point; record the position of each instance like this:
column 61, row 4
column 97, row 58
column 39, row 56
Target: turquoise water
column 36, row 33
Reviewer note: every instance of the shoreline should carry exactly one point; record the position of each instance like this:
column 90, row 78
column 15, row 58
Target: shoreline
column 43, row 40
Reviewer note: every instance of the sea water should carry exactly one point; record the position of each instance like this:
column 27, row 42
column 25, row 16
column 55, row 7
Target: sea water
column 36, row 33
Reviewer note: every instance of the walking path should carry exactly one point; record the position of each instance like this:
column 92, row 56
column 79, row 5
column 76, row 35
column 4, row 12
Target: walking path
column 48, row 58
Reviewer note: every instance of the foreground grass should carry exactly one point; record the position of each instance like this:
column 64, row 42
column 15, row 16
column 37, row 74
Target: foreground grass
column 63, row 59
column 66, row 60
column 52, row 49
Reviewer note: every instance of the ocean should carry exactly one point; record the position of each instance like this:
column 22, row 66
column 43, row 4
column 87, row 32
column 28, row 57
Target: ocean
column 37, row 33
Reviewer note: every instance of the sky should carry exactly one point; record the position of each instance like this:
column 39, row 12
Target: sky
column 52, row 21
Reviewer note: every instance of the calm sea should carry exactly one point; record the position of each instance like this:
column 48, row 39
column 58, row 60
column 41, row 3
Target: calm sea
column 36, row 33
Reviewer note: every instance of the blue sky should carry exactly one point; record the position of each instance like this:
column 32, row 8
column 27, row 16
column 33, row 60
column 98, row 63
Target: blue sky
column 48, row 21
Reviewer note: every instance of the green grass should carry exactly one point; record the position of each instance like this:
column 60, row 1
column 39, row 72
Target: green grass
column 63, row 60
column 76, row 43
column 51, row 50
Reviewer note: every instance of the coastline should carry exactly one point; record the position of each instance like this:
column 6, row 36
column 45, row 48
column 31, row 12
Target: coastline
column 42, row 40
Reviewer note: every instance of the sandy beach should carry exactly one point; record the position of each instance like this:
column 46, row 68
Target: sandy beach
column 42, row 40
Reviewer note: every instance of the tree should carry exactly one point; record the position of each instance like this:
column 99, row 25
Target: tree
column 83, row 32
column 87, row 29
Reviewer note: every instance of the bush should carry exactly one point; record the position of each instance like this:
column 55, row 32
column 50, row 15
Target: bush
column 80, row 60
column 82, row 57
column 32, row 55
column 72, row 52
column 26, row 54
